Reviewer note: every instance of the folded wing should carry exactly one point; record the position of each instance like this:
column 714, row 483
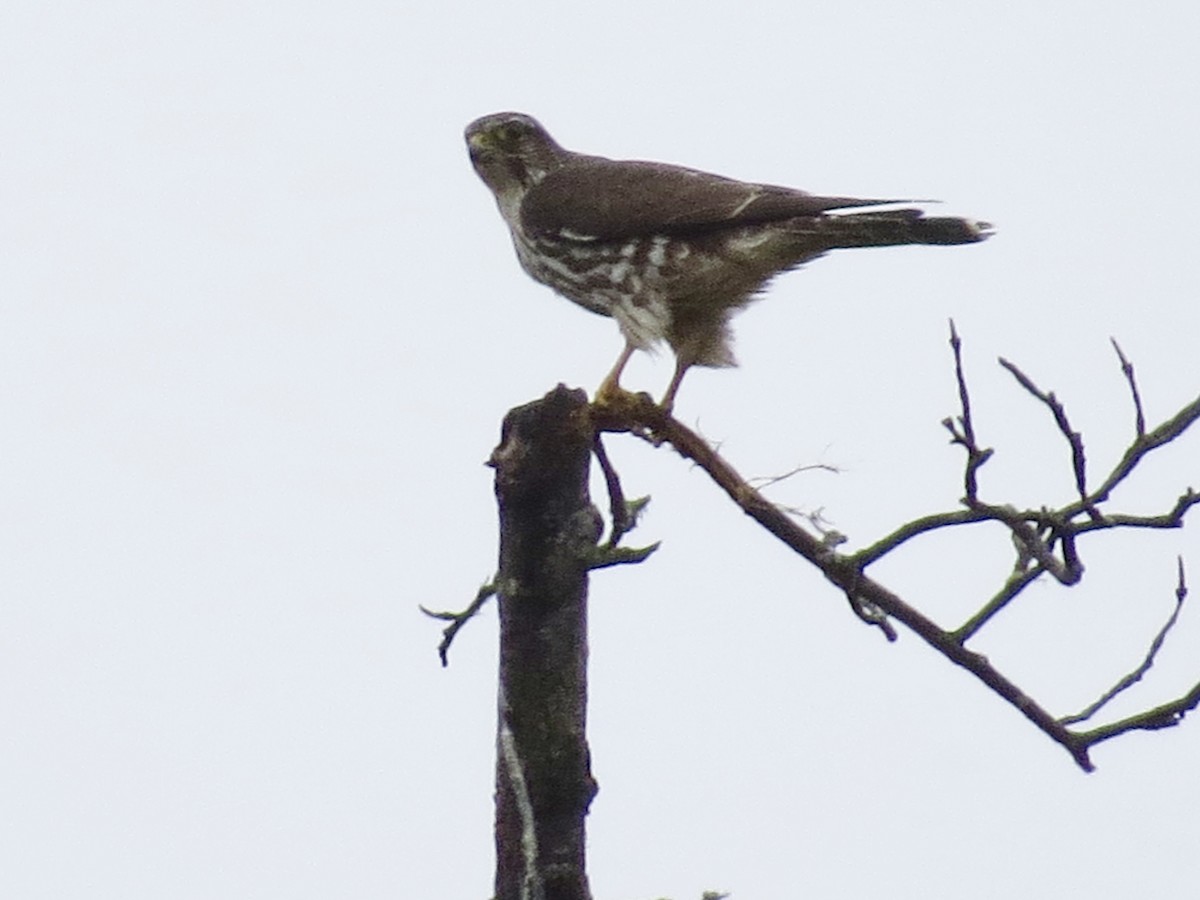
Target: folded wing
column 593, row 198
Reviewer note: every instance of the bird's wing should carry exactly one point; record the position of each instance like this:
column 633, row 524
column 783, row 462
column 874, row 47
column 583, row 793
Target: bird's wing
column 595, row 198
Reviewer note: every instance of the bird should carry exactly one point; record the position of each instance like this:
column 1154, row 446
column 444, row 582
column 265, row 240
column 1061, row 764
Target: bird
column 670, row 253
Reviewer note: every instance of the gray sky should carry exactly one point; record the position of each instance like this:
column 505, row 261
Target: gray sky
column 261, row 323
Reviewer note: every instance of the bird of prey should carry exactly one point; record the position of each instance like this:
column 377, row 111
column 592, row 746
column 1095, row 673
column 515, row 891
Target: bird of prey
column 670, row 253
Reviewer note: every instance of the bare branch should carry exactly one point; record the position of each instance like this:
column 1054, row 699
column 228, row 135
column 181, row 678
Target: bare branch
column 1074, row 438
column 1046, row 541
column 769, row 481
column 872, row 615
column 1166, row 716
column 1127, row 368
column 910, row 530
column 1017, row 582
column 1173, row 518
column 1066, row 571
column 624, row 515
column 1141, row 446
column 458, row 619
column 1135, row 676
column 963, row 433
column 623, row 518
column 640, row 416
column 603, row 556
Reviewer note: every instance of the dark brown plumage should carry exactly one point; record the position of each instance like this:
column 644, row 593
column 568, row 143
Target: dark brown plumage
column 669, row 252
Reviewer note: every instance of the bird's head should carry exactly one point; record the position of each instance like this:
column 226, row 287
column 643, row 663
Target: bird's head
column 511, row 152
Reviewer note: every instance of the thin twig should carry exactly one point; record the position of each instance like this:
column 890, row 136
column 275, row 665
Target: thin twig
column 1141, row 446
column 1166, row 716
column 1127, row 368
column 767, row 481
column 1074, row 438
column 1171, row 519
column 618, row 508
column 963, row 433
column 1016, row 583
column 1129, row 680
column 872, row 615
column 915, row 528
column 458, row 619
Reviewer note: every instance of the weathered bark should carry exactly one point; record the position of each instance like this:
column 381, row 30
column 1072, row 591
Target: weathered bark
column 548, row 533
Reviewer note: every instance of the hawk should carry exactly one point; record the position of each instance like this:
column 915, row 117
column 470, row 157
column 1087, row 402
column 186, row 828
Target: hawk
column 670, row 253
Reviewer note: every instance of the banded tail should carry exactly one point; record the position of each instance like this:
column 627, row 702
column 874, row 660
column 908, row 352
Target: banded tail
column 889, row 229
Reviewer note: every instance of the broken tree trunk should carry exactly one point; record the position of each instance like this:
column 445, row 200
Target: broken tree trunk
column 548, row 534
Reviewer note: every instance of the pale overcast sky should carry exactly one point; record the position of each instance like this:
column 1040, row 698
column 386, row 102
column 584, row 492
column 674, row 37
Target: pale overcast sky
column 261, row 322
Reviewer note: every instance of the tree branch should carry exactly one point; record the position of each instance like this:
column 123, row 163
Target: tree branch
column 1074, row 438
column 1139, row 417
column 1046, row 540
column 458, row 619
column 637, row 414
column 1135, row 676
column 964, row 432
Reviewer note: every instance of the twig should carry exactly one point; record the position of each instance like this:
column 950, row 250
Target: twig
column 964, row 433
column 1127, row 368
column 1074, row 438
column 624, row 514
column 1166, row 716
column 1066, row 571
column 1016, row 583
column 618, row 508
column 1141, row 446
column 767, row 481
column 1135, row 676
column 872, row 615
column 458, row 619
column 1173, row 518
column 910, row 530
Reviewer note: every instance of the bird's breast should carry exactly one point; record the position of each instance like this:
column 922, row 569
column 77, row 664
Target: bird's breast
column 598, row 274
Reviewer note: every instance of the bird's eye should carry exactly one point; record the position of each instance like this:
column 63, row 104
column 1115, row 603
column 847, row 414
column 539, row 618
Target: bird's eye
column 513, row 131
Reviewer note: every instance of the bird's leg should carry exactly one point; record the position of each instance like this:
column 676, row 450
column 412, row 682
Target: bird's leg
column 668, row 399
column 611, row 386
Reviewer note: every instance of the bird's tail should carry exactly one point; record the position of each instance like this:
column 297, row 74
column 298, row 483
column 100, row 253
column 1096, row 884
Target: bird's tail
column 891, row 228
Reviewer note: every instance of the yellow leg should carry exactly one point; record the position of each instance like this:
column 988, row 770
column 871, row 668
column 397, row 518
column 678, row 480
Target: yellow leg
column 611, row 385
